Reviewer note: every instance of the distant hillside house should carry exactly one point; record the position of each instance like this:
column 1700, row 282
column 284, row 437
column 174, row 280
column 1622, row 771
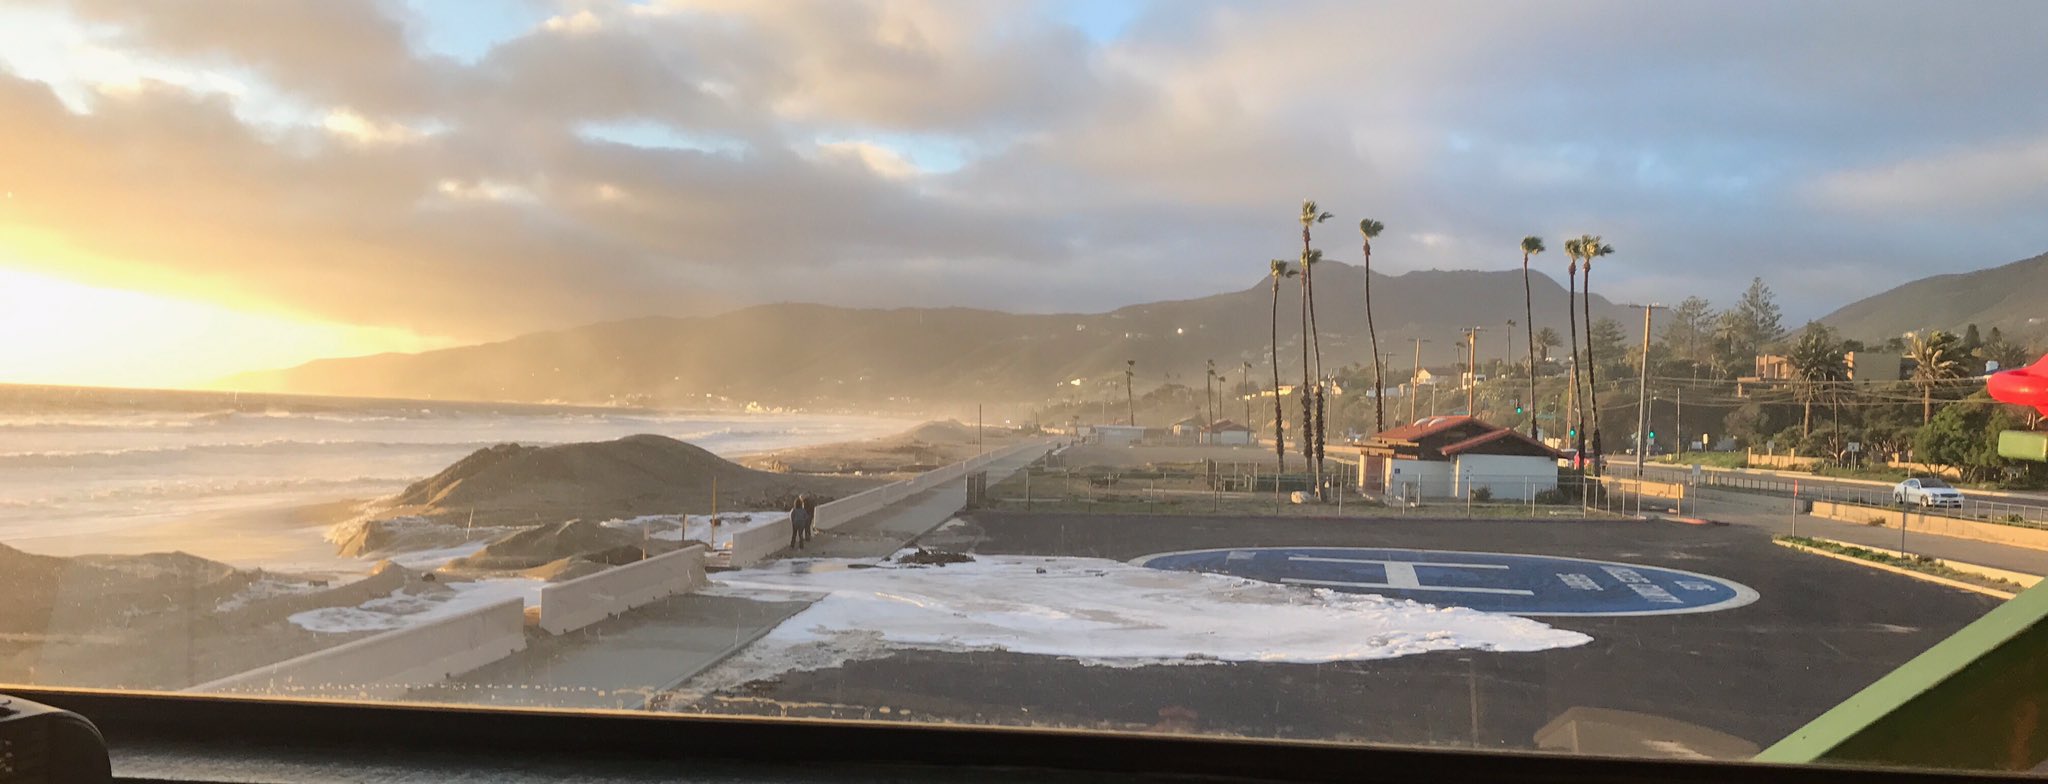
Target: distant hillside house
column 1773, row 367
column 1448, row 457
column 1227, row 433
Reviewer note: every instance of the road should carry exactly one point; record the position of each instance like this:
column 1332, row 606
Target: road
column 2032, row 506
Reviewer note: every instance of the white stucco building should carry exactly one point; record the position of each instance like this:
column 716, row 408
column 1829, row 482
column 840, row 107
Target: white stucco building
column 1448, row 457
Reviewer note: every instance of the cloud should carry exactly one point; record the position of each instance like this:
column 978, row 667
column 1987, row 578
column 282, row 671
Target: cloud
column 1970, row 180
column 675, row 156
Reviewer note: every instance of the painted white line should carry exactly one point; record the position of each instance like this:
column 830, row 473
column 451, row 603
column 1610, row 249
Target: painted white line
column 1744, row 595
column 1414, row 587
column 1320, row 559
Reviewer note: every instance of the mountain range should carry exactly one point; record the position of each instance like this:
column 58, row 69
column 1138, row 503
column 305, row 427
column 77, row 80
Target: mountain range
column 2013, row 297
column 922, row 359
column 912, row 358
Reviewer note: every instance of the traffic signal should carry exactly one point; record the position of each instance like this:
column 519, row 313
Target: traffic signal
column 1573, row 433
column 1518, row 405
column 1653, row 435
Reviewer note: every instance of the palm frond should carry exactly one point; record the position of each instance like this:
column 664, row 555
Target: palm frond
column 1371, row 228
column 1532, row 245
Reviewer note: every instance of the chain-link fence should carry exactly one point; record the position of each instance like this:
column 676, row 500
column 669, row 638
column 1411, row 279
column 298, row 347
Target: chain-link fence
column 1256, row 489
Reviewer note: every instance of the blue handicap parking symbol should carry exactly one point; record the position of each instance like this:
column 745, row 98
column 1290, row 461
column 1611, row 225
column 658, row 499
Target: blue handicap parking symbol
column 1495, row 582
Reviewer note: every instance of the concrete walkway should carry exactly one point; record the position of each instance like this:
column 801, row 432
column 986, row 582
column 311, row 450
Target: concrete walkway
column 891, row 528
column 618, row 662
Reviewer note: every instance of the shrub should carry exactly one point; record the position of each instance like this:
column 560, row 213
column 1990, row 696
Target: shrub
column 1552, row 496
column 1482, row 494
column 1877, row 520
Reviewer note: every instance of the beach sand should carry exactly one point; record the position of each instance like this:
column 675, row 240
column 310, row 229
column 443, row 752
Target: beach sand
column 279, row 538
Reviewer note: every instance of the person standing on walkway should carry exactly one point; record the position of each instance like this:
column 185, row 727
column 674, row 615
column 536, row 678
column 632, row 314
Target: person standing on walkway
column 800, row 517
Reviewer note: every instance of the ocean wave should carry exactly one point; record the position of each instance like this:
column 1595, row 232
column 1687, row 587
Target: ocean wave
column 80, row 458
column 200, row 488
column 166, row 420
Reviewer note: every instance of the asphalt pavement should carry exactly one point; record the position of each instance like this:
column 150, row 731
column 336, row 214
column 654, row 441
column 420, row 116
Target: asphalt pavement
column 1818, row 631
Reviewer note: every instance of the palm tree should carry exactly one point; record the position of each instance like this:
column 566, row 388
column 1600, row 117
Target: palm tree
column 1817, row 363
column 1530, row 246
column 1589, row 248
column 1279, row 271
column 1936, row 358
column 1574, row 248
column 1308, row 395
column 1370, row 228
column 1547, row 339
column 1312, row 410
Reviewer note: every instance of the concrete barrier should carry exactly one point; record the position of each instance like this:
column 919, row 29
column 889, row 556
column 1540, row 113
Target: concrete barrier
column 1671, row 490
column 388, row 665
column 754, row 545
column 2016, row 536
column 573, row 604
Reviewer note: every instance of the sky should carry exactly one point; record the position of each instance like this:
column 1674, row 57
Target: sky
column 195, row 188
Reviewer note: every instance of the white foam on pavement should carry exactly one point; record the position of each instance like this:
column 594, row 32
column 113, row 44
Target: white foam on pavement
column 1096, row 611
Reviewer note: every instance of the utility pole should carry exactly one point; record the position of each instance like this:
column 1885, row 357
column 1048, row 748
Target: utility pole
column 1643, row 394
column 1678, row 422
column 1131, row 401
column 1210, row 388
column 1415, row 382
column 1244, row 383
column 1472, row 369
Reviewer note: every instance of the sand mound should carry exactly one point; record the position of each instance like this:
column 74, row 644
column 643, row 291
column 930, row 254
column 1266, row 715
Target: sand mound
column 510, row 484
column 942, row 432
column 622, row 468
column 44, row 592
column 919, row 449
column 543, row 545
column 565, row 569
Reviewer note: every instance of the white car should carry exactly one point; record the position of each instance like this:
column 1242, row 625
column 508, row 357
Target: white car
column 1927, row 491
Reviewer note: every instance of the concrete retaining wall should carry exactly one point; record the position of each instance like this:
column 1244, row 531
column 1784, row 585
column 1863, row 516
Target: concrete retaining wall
column 2017, row 536
column 388, row 665
column 1670, row 490
column 574, row 604
column 754, row 545
column 751, row 547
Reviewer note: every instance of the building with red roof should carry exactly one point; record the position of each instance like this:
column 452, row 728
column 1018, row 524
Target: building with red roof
column 1451, row 456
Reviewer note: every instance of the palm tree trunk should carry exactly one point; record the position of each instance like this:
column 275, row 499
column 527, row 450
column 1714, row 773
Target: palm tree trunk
column 1572, row 314
column 1528, row 318
column 1806, row 419
column 1279, row 414
column 1926, row 404
column 1322, row 421
column 1592, row 381
column 1379, row 384
column 1306, row 436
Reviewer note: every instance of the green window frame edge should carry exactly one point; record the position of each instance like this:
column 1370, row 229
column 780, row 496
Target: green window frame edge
column 1976, row 700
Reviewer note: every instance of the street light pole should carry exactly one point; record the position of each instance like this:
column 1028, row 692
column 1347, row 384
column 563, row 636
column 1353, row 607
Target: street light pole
column 1415, row 382
column 1643, row 395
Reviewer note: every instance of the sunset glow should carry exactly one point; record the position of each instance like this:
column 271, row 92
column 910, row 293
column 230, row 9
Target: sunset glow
column 62, row 332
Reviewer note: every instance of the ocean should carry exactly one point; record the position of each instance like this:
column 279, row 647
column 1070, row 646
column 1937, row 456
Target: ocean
column 84, row 465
